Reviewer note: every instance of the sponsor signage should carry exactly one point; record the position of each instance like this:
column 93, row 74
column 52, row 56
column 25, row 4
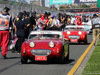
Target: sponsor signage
column 98, row 3
column 85, row 1
column 60, row 2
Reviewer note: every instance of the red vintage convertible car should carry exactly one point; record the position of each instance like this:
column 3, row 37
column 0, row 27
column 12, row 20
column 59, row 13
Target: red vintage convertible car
column 75, row 34
column 44, row 45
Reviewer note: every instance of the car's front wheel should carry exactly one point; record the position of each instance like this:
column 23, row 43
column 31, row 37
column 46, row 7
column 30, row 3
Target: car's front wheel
column 85, row 42
column 23, row 60
column 62, row 58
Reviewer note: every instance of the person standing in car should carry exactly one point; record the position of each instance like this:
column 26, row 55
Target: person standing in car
column 5, row 23
column 78, row 21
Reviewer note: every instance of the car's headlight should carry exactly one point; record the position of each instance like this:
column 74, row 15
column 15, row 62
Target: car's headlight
column 68, row 32
column 32, row 44
column 79, row 32
column 51, row 44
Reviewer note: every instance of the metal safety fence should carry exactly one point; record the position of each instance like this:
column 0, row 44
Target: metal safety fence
column 16, row 7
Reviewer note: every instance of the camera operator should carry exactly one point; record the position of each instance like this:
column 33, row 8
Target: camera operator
column 95, row 27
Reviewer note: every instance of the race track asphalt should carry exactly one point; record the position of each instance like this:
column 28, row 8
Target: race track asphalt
column 12, row 65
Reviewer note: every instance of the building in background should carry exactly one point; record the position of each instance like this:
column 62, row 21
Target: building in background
column 47, row 3
column 35, row 2
column 21, row 1
column 39, row 2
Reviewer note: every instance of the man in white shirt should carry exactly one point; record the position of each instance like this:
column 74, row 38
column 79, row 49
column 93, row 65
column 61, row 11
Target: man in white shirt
column 55, row 23
column 73, row 20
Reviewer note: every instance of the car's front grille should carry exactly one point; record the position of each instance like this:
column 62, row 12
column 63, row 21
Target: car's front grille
column 74, row 37
column 43, row 52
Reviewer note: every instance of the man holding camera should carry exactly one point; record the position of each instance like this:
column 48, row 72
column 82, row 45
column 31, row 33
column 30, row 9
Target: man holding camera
column 95, row 27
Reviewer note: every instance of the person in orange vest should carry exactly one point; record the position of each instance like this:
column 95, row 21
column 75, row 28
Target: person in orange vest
column 5, row 22
column 78, row 20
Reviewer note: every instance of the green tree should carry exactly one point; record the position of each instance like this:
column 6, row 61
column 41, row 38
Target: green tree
column 84, row 6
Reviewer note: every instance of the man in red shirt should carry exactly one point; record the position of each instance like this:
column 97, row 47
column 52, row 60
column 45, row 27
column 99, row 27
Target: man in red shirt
column 78, row 21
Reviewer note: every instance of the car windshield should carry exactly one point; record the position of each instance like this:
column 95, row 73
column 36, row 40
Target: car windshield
column 74, row 28
column 45, row 36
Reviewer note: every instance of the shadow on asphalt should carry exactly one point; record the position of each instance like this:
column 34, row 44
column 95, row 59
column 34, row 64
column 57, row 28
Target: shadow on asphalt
column 51, row 62
column 11, row 58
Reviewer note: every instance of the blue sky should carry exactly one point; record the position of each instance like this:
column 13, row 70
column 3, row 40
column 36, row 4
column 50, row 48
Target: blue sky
column 28, row 1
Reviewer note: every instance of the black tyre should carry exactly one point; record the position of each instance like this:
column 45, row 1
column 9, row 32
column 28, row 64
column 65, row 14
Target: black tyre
column 85, row 42
column 62, row 58
column 23, row 60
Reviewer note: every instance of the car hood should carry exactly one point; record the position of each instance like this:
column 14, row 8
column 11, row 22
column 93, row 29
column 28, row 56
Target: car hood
column 75, row 31
column 44, row 42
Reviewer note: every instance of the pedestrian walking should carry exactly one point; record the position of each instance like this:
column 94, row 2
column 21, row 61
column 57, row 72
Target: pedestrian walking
column 95, row 27
column 5, row 23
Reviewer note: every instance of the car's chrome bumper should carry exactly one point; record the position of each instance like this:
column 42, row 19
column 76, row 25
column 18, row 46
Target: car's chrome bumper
column 41, row 52
column 73, row 37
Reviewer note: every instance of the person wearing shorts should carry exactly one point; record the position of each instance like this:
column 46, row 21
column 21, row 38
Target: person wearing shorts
column 95, row 27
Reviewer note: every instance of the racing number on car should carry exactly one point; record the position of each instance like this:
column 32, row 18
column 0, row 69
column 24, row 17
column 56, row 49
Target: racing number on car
column 40, row 58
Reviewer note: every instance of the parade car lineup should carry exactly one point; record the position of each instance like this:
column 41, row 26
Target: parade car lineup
column 44, row 45
column 75, row 34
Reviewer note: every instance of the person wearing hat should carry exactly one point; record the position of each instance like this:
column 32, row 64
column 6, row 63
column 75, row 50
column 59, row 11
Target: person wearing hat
column 78, row 21
column 55, row 23
column 5, row 23
column 95, row 27
column 20, row 27
column 28, row 28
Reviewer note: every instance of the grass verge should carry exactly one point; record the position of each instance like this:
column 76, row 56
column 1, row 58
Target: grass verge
column 93, row 65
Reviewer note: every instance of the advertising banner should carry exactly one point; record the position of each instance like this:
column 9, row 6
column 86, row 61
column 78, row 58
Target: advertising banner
column 60, row 2
column 98, row 3
column 85, row 1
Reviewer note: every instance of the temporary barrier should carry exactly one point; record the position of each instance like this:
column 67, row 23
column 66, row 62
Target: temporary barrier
column 85, row 1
